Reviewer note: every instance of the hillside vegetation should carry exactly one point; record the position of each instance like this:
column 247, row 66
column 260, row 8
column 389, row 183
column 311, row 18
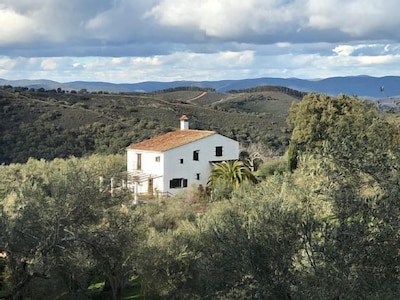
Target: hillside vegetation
column 49, row 124
column 326, row 227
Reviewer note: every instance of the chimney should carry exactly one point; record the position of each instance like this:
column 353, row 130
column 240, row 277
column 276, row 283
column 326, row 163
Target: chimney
column 184, row 122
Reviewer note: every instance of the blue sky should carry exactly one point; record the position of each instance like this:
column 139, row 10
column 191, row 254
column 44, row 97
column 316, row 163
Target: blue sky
column 166, row 40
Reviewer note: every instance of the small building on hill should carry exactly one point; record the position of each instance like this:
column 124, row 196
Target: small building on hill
column 177, row 160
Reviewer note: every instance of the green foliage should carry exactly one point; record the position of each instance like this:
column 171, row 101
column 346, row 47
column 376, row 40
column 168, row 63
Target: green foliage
column 347, row 234
column 327, row 230
column 51, row 124
column 220, row 190
column 248, row 245
column 239, row 249
column 281, row 89
column 185, row 88
column 230, row 173
column 255, row 154
column 292, row 156
column 349, row 131
column 273, row 166
column 348, row 162
column 114, row 247
column 62, row 230
column 166, row 215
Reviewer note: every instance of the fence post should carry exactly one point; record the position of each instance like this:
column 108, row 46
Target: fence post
column 112, row 186
column 101, row 179
column 135, row 193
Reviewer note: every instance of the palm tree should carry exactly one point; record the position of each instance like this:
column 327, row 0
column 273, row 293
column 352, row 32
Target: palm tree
column 231, row 172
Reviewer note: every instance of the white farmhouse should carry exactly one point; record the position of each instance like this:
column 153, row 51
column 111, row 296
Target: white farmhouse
column 177, row 160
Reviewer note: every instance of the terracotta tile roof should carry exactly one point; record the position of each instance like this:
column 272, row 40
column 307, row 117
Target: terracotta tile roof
column 171, row 140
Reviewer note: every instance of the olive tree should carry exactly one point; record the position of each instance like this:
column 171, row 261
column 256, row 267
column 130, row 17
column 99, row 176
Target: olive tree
column 347, row 161
column 55, row 215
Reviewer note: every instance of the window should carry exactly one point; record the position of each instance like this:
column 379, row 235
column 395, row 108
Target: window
column 198, row 176
column 139, row 161
column 181, row 160
column 218, row 151
column 196, row 155
column 177, row 183
column 158, row 158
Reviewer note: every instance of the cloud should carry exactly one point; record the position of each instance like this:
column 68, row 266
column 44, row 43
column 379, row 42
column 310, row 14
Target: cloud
column 44, row 22
column 357, row 19
column 98, row 27
column 345, row 50
column 199, row 66
column 122, row 22
column 124, row 40
column 367, row 50
column 229, row 20
column 14, row 27
column 282, row 20
column 49, row 64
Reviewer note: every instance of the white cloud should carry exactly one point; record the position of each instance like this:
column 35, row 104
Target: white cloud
column 49, row 64
column 345, row 50
column 357, row 18
column 378, row 60
column 6, row 64
column 147, row 61
column 127, row 41
column 15, row 28
column 198, row 66
column 92, row 24
column 227, row 19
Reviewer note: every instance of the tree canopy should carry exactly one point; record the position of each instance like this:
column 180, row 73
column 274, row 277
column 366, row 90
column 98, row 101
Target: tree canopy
column 350, row 132
column 61, row 227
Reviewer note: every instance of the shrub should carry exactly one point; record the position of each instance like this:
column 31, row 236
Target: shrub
column 271, row 167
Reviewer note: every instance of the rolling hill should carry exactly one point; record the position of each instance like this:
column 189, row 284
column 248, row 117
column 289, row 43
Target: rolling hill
column 49, row 124
column 363, row 86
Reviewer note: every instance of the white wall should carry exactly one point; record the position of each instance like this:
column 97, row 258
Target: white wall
column 149, row 166
column 190, row 168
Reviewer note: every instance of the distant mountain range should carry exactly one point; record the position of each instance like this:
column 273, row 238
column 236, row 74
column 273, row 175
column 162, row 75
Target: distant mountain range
column 362, row 86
